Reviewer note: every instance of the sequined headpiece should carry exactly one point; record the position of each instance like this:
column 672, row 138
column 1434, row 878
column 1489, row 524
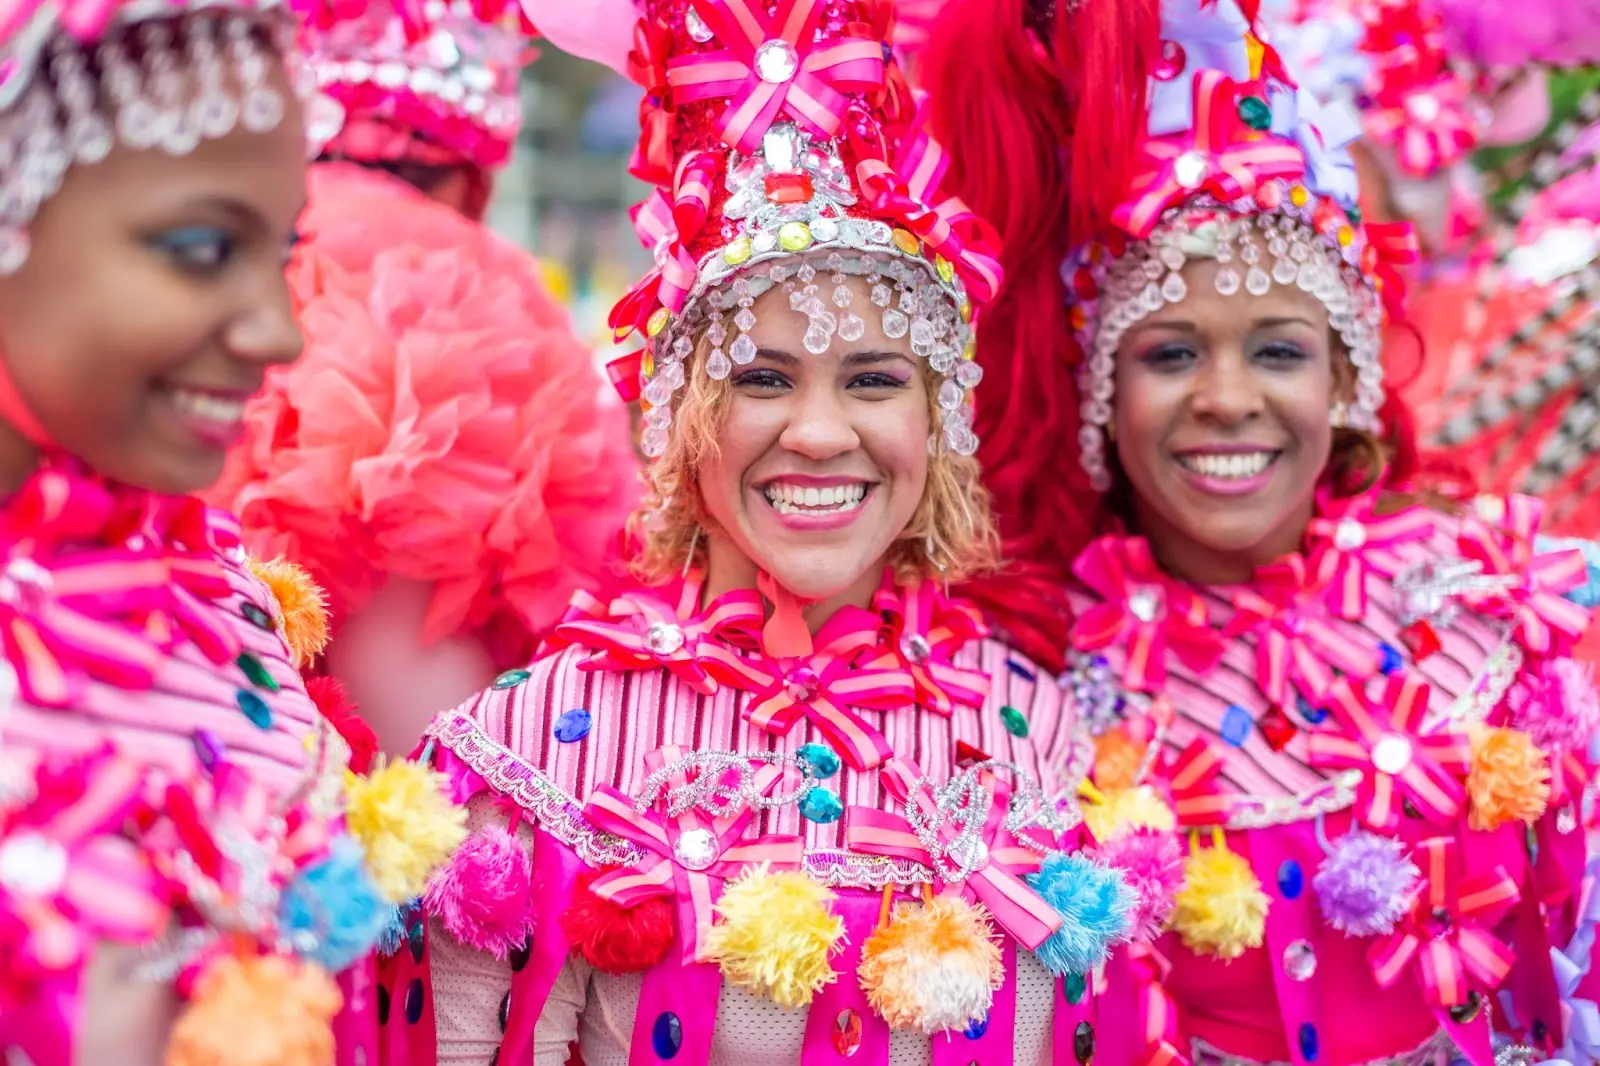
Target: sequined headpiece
column 788, row 153
column 79, row 76
column 439, row 84
column 1243, row 166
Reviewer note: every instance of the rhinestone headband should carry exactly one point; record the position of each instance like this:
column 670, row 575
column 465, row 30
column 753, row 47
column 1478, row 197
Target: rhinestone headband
column 1255, row 250
column 76, row 114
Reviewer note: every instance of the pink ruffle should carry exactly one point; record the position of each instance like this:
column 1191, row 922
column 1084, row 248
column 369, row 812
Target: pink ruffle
column 444, row 425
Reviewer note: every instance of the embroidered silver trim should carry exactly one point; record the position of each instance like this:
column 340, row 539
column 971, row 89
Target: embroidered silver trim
column 562, row 816
column 1436, row 1049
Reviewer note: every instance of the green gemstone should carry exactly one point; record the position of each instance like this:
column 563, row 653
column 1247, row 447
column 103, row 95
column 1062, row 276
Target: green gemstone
column 1015, row 724
column 512, row 678
column 257, row 672
column 255, row 708
column 1255, row 113
column 1075, row 985
column 1355, row 215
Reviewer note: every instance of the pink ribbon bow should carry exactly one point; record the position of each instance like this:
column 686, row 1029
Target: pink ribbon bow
column 687, row 856
column 1219, row 155
column 187, row 537
column 647, row 68
column 991, row 874
column 825, row 687
column 641, row 631
column 1145, row 611
column 67, row 874
column 1191, row 777
column 1447, row 934
column 1364, row 543
column 666, row 228
column 1546, row 623
column 1297, row 644
column 1397, row 758
column 926, row 630
column 772, row 65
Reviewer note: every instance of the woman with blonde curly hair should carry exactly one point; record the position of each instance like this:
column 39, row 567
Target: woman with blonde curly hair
column 788, row 797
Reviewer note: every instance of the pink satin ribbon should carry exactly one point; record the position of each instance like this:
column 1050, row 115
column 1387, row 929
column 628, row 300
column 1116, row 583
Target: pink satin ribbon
column 1546, row 622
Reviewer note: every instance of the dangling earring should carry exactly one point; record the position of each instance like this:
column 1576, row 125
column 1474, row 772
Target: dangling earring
column 1339, row 415
column 688, row 561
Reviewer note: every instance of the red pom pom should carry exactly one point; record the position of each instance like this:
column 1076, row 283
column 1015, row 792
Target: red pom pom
column 616, row 939
column 329, row 694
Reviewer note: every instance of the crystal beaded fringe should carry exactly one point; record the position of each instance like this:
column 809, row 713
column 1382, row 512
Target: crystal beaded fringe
column 63, row 119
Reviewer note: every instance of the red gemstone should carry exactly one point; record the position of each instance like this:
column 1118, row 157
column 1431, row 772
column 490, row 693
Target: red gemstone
column 789, row 188
column 847, row 1033
column 1173, row 60
column 1420, row 639
column 967, row 755
column 1270, row 196
column 1276, row 728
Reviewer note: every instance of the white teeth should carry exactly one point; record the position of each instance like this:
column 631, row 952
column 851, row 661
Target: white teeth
column 1235, row 465
column 204, row 405
column 801, row 499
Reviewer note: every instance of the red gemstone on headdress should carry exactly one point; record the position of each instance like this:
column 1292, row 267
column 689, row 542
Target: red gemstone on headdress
column 1420, row 639
column 1173, row 60
column 789, row 188
column 1276, row 728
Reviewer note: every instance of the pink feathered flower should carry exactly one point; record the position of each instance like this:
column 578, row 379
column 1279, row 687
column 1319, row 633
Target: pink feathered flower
column 1557, row 706
column 481, row 897
column 1151, row 862
column 444, row 426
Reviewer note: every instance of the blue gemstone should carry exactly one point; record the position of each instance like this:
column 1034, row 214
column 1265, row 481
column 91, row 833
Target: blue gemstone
column 1314, row 715
column 1310, row 1046
column 1236, row 725
column 1021, row 670
column 573, row 726
column 976, row 1030
column 1074, row 986
column 414, row 1001
column 821, row 805
column 818, row 760
column 1291, row 879
column 255, row 708
column 511, row 678
column 1392, row 659
column 666, row 1036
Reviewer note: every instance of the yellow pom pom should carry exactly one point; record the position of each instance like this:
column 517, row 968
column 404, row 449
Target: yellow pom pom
column 1221, row 909
column 407, row 825
column 1111, row 814
column 1509, row 780
column 933, row 968
column 1116, row 760
column 302, row 608
column 777, row 936
column 267, row 1011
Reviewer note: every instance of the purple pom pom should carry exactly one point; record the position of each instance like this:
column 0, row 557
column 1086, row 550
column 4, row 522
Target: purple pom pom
column 1556, row 705
column 1366, row 884
column 1151, row 862
column 481, row 897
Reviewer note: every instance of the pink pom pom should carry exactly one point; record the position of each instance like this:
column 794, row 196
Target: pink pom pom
column 1151, row 862
column 481, row 897
column 1557, row 706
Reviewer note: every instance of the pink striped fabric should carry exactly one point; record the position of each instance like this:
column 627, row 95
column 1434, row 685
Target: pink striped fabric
column 635, row 713
column 1253, row 769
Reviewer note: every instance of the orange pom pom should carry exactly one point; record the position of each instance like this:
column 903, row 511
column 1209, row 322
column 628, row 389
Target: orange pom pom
column 267, row 1011
column 934, row 968
column 1509, row 780
column 1116, row 760
column 302, row 613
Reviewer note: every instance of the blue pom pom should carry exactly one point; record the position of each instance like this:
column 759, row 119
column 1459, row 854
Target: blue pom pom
column 396, row 928
column 332, row 913
column 1093, row 901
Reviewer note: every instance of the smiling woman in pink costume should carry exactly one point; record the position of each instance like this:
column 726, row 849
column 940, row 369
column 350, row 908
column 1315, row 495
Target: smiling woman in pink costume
column 1357, row 711
column 171, row 808
column 785, row 801
column 441, row 460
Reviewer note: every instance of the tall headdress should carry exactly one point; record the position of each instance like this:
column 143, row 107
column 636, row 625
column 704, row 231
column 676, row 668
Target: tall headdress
column 787, row 153
column 79, row 76
column 435, row 82
column 1241, row 165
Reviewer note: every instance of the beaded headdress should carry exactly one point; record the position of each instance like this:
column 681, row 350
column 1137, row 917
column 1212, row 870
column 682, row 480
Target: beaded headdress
column 78, row 76
column 1241, row 165
column 435, row 84
column 788, row 152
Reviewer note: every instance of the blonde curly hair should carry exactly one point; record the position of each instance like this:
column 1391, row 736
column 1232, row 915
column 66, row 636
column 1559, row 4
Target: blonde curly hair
column 951, row 535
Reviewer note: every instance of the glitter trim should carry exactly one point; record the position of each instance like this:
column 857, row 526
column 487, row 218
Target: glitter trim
column 1437, row 1048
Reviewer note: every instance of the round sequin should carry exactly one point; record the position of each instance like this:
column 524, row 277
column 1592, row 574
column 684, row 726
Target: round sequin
column 1014, row 722
column 821, row 805
column 666, row 1035
column 658, row 321
column 255, row 708
column 794, row 236
column 573, row 726
column 1291, row 879
column 737, row 252
column 1391, row 754
column 512, row 678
